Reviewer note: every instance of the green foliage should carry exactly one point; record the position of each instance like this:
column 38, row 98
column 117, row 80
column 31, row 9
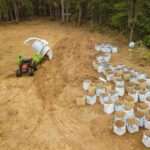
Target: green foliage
column 28, row 8
column 120, row 16
column 119, row 20
column 143, row 23
column 110, row 13
column 147, row 41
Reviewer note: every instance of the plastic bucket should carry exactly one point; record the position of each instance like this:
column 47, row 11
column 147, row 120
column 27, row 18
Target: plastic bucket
column 146, row 139
column 134, row 95
column 140, row 118
column 100, row 91
column 148, row 81
column 86, row 84
column 133, row 79
column 119, row 82
column 120, row 90
column 107, row 57
column 114, row 50
column 97, row 47
column 142, row 96
column 100, row 59
column 91, row 100
column 109, row 107
column 114, row 96
column 119, row 107
column 104, row 98
column 141, row 76
column 101, row 68
column 132, row 125
column 147, row 93
column 119, row 127
column 147, row 121
column 129, row 113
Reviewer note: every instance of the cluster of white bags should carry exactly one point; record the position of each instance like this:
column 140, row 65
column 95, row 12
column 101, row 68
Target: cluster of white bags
column 106, row 48
column 122, row 98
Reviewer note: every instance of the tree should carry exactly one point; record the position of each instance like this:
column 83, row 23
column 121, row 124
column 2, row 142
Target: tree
column 131, row 16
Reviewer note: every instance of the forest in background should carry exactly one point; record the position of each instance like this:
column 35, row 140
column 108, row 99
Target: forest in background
column 131, row 17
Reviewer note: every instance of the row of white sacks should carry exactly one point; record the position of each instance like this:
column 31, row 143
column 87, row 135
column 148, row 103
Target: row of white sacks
column 135, row 77
column 108, row 100
column 109, row 105
column 106, row 48
column 120, row 128
column 119, row 91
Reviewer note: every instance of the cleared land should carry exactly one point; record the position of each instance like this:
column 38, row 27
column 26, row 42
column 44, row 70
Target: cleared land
column 40, row 113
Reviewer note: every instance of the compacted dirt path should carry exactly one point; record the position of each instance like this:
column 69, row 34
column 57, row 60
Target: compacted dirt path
column 40, row 113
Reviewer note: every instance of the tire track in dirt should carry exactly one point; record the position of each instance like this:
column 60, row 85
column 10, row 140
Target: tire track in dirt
column 53, row 81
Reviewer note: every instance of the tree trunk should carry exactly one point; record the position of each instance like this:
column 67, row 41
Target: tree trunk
column 132, row 18
column 67, row 13
column 50, row 11
column 16, row 12
column 63, row 11
column 80, row 15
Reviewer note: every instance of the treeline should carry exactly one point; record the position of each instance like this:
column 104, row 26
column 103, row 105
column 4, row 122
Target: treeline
column 128, row 16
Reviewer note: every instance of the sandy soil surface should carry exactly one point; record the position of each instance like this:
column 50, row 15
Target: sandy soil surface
column 40, row 113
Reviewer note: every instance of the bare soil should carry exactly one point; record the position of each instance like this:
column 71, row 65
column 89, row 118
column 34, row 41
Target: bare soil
column 40, row 113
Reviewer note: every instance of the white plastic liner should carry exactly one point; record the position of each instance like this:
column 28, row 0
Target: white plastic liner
column 100, row 91
column 129, row 113
column 120, row 90
column 141, row 76
column 106, row 47
column 146, row 140
column 109, row 108
column 148, row 81
column 91, row 100
column 132, row 128
column 104, row 98
column 119, row 130
column 141, row 122
column 120, row 83
column 101, row 68
column 86, row 84
column 119, row 107
column 146, row 123
column 142, row 96
column 133, row 79
column 147, row 92
column 114, row 97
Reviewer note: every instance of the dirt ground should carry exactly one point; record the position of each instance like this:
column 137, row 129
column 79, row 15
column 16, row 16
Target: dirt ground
column 40, row 113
